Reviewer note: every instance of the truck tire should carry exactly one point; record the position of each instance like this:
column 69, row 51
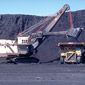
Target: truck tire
column 78, row 60
column 62, row 60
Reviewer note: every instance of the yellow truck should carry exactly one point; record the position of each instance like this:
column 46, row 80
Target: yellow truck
column 71, row 52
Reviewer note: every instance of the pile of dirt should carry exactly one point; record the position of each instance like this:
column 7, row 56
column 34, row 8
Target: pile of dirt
column 11, row 25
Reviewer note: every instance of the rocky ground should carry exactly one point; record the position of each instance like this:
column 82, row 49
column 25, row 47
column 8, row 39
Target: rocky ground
column 42, row 74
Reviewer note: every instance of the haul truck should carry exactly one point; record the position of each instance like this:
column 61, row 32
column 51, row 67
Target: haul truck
column 71, row 52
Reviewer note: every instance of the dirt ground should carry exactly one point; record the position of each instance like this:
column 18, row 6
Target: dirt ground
column 42, row 74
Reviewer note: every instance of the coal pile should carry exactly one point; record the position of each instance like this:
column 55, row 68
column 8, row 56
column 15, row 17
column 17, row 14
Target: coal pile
column 11, row 25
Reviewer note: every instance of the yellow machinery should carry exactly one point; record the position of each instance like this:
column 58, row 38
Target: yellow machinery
column 71, row 52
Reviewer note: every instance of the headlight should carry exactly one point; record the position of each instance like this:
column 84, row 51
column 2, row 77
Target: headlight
column 62, row 54
column 78, row 52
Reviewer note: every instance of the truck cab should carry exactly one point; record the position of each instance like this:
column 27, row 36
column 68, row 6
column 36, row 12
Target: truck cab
column 71, row 52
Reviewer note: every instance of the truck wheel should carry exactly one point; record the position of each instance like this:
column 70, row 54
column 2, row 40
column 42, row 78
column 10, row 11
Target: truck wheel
column 78, row 60
column 62, row 60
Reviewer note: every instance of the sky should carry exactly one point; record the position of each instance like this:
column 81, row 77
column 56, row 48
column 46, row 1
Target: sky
column 38, row 7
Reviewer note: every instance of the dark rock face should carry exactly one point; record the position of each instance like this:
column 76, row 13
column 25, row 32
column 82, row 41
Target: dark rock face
column 11, row 25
